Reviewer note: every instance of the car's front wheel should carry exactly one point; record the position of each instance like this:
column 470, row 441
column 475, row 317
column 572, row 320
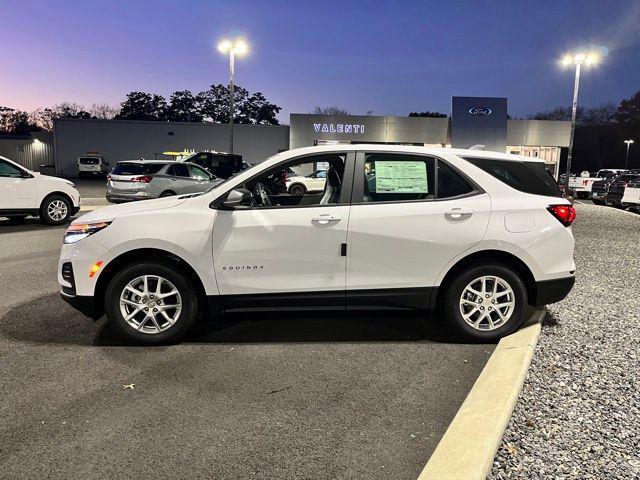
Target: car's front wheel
column 55, row 210
column 297, row 190
column 486, row 302
column 151, row 303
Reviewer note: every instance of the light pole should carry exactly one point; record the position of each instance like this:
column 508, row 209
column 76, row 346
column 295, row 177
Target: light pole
column 626, row 160
column 577, row 59
column 232, row 47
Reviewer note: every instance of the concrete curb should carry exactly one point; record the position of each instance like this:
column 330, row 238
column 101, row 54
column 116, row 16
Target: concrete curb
column 468, row 447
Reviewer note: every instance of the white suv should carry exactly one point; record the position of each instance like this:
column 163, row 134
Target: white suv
column 477, row 235
column 24, row 193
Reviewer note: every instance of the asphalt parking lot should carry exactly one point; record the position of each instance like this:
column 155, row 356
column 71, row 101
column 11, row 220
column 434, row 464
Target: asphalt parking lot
column 253, row 396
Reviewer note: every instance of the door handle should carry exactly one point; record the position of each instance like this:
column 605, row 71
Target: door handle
column 457, row 214
column 325, row 219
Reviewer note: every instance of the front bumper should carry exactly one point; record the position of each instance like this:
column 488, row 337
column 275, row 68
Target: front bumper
column 85, row 305
column 552, row 291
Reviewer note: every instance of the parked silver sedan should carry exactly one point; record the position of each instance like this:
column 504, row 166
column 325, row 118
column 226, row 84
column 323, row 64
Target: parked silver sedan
column 143, row 179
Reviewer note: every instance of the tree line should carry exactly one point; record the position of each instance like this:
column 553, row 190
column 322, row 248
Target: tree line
column 210, row 105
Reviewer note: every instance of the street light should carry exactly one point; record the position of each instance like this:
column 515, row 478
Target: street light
column 235, row 47
column 577, row 59
column 626, row 160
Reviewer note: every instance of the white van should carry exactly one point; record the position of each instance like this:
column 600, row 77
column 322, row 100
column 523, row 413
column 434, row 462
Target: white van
column 92, row 166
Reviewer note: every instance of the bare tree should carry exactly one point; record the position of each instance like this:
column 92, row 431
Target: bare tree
column 333, row 110
column 103, row 111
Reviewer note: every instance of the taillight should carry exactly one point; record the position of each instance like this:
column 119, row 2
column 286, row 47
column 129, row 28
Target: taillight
column 108, row 178
column 143, row 179
column 565, row 214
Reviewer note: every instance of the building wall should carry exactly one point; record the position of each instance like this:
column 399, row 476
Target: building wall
column 479, row 121
column 306, row 129
column 31, row 151
column 126, row 140
column 543, row 133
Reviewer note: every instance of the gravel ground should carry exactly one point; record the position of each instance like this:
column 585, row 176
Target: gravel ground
column 578, row 414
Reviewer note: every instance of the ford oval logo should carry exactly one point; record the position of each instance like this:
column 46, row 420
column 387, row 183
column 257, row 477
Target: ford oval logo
column 480, row 111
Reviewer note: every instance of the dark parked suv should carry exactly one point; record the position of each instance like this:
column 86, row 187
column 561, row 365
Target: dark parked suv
column 617, row 186
column 222, row 165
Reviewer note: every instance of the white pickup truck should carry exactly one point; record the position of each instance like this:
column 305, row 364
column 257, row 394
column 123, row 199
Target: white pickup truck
column 582, row 184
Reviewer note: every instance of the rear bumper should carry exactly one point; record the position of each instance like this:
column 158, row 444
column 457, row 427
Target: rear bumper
column 552, row 291
column 126, row 197
column 84, row 305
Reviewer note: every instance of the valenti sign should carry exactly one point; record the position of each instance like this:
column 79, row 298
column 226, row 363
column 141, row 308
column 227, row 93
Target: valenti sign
column 345, row 128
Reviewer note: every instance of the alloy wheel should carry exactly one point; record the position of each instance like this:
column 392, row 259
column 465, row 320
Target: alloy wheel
column 487, row 303
column 150, row 304
column 57, row 210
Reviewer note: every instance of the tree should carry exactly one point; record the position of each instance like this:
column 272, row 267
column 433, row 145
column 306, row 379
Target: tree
column 428, row 114
column 601, row 115
column 184, row 107
column 103, row 111
column 333, row 110
column 628, row 111
column 16, row 122
column 248, row 109
column 143, row 106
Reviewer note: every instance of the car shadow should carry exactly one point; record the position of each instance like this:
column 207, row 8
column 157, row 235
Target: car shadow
column 28, row 225
column 48, row 320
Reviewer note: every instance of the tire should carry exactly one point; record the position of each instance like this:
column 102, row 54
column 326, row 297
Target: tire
column 582, row 195
column 55, row 210
column 297, row 190
column 167, row 193
column 173, row 278
column 597, row 202
column 485, row 332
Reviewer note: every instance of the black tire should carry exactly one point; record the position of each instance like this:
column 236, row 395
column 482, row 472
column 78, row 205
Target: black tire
column 167, row 193
column 46, row 214
column 451, row 305
column 173, row 333
column 597, row 202
column 297, row 190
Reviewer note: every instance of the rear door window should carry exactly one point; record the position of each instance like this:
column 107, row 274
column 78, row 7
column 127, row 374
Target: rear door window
column 391, row 177
column 178, row 170
column 137, row 168
column 527, row 177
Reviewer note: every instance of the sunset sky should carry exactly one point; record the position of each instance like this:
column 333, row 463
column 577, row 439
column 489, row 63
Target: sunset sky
column 386, row 57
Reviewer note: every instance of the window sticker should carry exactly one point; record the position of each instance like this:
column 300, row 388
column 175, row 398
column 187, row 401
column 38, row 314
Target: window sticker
column 401, row 177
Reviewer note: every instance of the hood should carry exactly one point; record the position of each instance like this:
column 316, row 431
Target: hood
column 49, row 178
column 107, row 214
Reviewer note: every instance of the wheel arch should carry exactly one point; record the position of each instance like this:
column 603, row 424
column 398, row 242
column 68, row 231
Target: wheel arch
column 168, row 190
column 296, row 184
column 53, row 194
column 485, row 256
column 142, row 254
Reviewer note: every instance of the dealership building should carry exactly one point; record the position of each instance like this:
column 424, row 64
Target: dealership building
column 474, row 121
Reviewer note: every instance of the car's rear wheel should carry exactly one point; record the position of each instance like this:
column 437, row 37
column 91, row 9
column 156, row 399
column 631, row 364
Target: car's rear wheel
column 55, row 210
column 151, row 303
column 486, row 302
column 167, row 193
column 297, row 190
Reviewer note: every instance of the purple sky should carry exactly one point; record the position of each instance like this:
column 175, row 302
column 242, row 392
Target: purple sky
column 388, row 57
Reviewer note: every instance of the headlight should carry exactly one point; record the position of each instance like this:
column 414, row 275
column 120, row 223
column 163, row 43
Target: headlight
column 77, row 232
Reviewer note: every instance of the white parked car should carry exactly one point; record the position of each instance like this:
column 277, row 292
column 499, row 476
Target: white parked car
column 24, row 193
column 92, row 166
column 477, row 235
column 300, row 184
column 583, row 184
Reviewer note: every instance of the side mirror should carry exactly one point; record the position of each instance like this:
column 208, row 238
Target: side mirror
column 238, row 198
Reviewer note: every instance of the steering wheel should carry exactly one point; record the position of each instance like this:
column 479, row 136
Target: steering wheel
column 262, row 193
